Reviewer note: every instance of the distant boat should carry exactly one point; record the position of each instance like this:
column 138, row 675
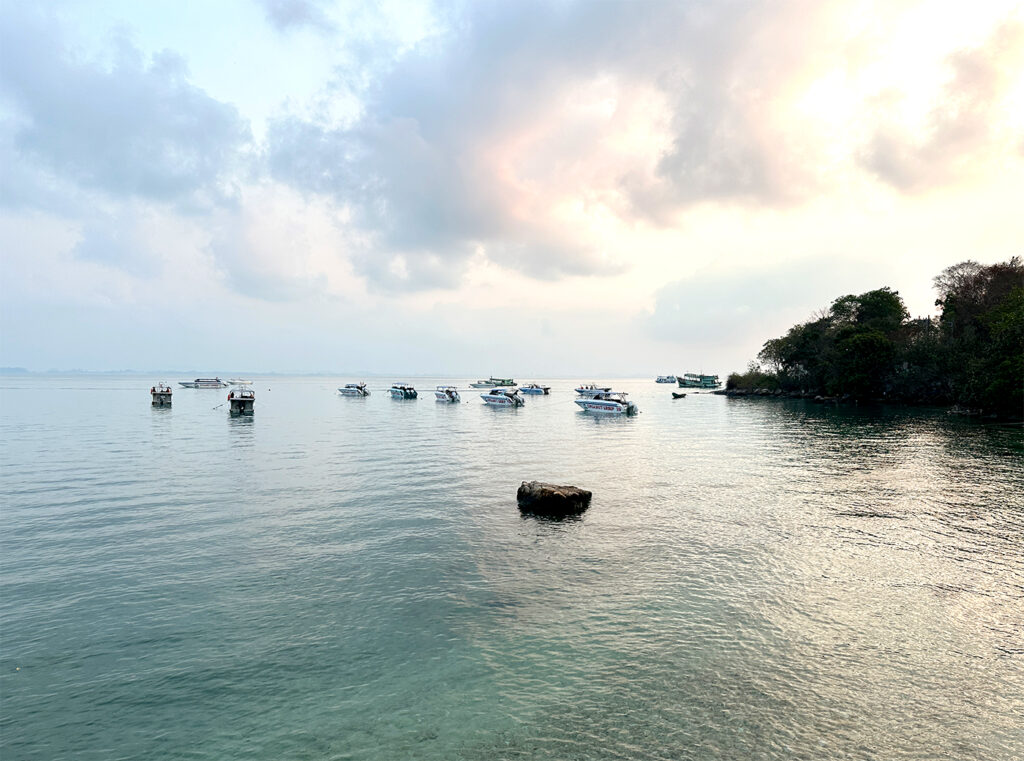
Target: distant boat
column 534, row 388
column 591, row 390
column 694, row 380
column 354, row 389
column 503, row 397
column 239, row 382
column 447, row 394
column 402, row 391
column 665, row 379
column 493, row 382
column 612, row 403
column 161, row 394
column 204, row 383
column 241, row 400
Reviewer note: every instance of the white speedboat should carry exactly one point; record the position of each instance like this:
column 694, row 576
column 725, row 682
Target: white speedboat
column 666, row 379
column 534, row 388
column 354, row 389
column 402, row 391
column 493, row 382
column 204, row 383
column 239, row 382
column 503, row 397
column 592, row 390
column 611, row 403
column 447, row 394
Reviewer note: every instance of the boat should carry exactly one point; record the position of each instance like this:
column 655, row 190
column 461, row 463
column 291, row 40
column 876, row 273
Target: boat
column 591, row 390
column 493, row 382
column 161, row 394
column 695, row 380
column 354, row 389
column 241, row 400
column 239, row 382
column 535, row 388
column 447, row 394
column 678, row 396
column 666, row 379
column 612, row 403
column 402, row 391
column 204, row 383
column 503, row 397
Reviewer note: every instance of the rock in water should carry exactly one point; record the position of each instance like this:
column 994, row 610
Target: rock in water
column 552, row 499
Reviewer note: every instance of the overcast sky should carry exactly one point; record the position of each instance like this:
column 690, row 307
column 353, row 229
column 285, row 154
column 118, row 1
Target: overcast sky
column 519, row 188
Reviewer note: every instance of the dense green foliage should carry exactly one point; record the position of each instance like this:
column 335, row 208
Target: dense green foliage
column 866, row 347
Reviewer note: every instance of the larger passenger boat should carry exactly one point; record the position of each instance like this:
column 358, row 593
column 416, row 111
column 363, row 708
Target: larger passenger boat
column 204, row 383
column 493, row 382
column 612, row 403
column 402, row 391
column 354, row 389
column 503, row 397
column 694, row 380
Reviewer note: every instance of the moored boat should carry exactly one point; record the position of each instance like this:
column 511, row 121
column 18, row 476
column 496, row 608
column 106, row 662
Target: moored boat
column 241, row 400
column 354, row 389
column 161, row 394
column 612, row 403
column 696, row 380
column 447, row 394
column 535, row 388
column 402, row 391
column 503, row 397
column 666, row 379
column 204, row 383
column 493, row 382
column 239, row 382
column 592, row 389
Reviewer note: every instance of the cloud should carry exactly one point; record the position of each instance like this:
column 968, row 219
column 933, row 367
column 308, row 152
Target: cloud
column 962, row 131
column 133, row 128
column 291, row 14
column 525, row 131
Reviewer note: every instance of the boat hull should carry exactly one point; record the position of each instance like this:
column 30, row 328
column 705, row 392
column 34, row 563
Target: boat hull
column 606, row 407
column 397, row 393
column 502, row 402
column 204, row 383
column 347, row 391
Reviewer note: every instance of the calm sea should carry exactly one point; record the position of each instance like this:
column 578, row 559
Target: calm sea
column 344, row 578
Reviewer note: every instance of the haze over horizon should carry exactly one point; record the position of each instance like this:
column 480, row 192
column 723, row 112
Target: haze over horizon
column 552, row 189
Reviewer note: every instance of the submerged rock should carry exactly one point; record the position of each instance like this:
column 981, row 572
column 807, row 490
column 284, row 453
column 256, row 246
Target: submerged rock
column 552, row 499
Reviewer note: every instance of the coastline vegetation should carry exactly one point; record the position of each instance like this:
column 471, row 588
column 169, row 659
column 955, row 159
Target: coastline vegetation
column 867, row 347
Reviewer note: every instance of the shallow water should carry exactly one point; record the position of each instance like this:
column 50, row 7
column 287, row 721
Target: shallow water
column 342, row 578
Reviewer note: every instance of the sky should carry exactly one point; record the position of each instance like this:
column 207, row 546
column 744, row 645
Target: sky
column 557, row 188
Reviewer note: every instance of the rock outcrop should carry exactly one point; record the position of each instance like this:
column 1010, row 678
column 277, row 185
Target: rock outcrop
column 552, row 499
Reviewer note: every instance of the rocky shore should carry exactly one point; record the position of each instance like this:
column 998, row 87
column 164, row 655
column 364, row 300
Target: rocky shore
column 954, row 409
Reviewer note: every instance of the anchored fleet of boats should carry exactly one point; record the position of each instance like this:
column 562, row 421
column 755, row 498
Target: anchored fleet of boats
column 502, row 392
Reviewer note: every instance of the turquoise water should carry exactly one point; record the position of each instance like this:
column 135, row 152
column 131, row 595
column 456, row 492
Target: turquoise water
column 344, row 578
